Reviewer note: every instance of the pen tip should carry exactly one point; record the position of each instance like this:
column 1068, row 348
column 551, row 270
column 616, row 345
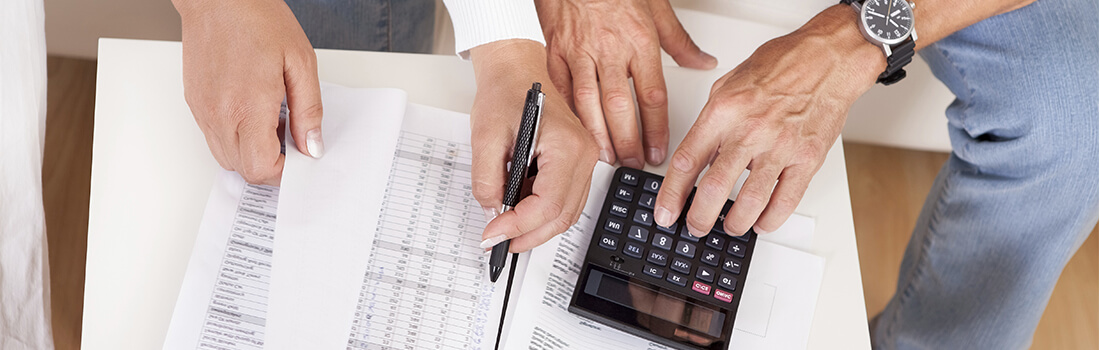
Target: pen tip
column 537, row 86
column 494, row 273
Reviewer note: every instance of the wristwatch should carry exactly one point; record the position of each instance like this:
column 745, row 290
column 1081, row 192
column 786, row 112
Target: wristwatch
column 888, row 23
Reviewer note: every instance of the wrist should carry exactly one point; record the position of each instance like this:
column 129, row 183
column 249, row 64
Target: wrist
column 839, row 28
column 509, row 60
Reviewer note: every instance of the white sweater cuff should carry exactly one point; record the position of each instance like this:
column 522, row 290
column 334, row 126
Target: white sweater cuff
column 478, row 22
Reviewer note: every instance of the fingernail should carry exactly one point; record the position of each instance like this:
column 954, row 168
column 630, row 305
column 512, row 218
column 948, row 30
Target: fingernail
column 759, row 231
column 707, row 57
column 314, row 145
column 490, row 214
column 633, row 163
column 656, row 156
column 696, row 232
column 663, row 217
column 489, row 243
column 605, row 156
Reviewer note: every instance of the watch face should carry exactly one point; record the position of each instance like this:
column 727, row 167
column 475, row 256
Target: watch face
column 889, row 21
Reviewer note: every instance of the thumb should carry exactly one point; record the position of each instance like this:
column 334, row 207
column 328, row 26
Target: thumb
column 303, row 98
column 676, row 41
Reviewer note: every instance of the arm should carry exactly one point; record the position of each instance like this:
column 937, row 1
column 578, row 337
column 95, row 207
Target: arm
column 778, row 113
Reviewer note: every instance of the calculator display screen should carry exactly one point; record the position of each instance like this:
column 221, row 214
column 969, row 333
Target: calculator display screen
column 649, row 302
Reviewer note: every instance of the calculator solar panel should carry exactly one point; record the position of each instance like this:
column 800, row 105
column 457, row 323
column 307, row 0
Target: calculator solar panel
column 661, row 283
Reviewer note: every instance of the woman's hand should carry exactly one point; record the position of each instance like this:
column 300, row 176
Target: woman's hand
column 240, row 60
column 566, row 152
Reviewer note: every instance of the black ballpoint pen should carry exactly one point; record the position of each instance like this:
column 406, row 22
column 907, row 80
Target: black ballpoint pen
column 522, row 154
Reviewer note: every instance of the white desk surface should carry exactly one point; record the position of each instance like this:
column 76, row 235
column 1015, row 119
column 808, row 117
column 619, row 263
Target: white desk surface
column 152, row 173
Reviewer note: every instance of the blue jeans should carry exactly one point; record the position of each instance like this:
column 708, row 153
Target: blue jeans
column 1018, row 195
column 371, row 25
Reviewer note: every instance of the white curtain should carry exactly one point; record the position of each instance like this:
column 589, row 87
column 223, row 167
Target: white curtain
column 24, row 270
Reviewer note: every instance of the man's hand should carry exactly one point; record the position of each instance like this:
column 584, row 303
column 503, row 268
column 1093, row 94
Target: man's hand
column 240, row 58
column 594, row 46
column 565, row 152
column 777, row 114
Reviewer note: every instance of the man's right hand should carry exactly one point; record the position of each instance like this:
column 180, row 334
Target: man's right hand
column 594, row 47
column 240, row 59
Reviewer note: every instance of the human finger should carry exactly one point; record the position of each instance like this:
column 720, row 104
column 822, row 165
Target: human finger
column 618, row 108
column 754, row 194
column 586, row 98
column 714, row 189
column 303, row 97
column 792, row 185
column 676, row 41
column 649, row 84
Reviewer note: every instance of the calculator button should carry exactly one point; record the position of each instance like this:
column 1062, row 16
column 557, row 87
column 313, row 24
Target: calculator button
column 618, row 210
column 716, row 242
column 723, row 295
column 744, row 237
column 733, row 266
column 685, row 249
column 609, row 242
column 727, row 282
column 737, row 249
column 705, row 273
column 613, row 226
column 677, row 279
column 647, row 200
column 653, row 271
column 681, row 266
column 662, row 241
column 652, row 185
column 670, row 229
column 701, row 288
column 687, row 235
column 657, row 257
column 710, row 257
column 643, row 217
column 633, row 250
column 718, row 227
column 638, row 233
column 629, row 178
column 625, row 194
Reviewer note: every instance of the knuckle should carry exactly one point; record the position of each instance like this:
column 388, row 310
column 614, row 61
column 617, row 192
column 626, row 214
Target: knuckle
column 586, row 93
column 685, row 160
column 618, row 101
column 715, row 186
column 753, row 195
column 312, row 110
column 654, row 97
column 483, row 191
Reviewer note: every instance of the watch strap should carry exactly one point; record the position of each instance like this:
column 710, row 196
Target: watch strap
column 900, row 55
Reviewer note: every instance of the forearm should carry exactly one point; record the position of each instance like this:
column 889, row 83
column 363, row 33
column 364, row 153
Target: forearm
column 936, row 19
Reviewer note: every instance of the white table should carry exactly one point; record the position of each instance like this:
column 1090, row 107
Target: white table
column 152, row 172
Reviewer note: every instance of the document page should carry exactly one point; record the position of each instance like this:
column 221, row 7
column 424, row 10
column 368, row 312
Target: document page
column 775, row 312
column 425, row 287
column 223, row 301
column 417, row 278
column 327, row 218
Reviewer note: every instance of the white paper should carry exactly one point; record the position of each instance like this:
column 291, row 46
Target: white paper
column 417, row 278
column 775, row 313
column 328, row 216
column 223, row 301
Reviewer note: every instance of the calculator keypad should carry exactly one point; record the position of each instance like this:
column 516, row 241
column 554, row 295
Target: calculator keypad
column 703, row 266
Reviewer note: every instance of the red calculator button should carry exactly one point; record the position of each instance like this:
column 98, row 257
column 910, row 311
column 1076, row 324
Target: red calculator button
column 723, row 295
column 701, row 288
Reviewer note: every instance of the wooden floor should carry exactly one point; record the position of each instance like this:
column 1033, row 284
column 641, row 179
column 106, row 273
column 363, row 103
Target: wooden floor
column 883, row 223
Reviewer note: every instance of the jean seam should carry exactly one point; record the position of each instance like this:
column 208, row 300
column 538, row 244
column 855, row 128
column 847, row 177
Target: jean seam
column 969, row 102
column 918, row 273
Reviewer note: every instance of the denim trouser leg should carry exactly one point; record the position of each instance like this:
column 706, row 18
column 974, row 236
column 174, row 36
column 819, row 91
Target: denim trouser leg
column 1018, row 195
column 373, row 25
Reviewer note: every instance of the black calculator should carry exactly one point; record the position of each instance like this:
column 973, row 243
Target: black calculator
column 661, row 283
